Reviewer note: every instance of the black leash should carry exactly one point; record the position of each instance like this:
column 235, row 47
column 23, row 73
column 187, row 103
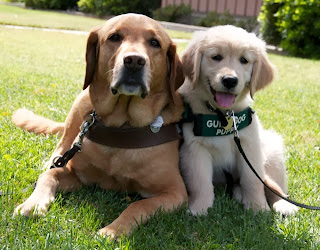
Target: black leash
column 190, row 117
column 58, row 162
column 237, row 141
column 61, row 161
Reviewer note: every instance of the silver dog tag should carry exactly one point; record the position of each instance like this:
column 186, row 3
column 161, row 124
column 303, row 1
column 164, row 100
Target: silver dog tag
column 157, row 124
column 154, row 129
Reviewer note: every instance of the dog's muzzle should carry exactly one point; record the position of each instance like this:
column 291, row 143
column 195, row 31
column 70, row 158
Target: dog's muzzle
column 132, row 77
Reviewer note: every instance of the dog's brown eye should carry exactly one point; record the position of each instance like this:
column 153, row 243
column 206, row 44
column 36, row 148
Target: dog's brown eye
column 217, row 58
column 155, row 43
column 114, row 37
column 243, row 60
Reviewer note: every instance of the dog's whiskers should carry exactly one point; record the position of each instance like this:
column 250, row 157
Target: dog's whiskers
column 107, row 72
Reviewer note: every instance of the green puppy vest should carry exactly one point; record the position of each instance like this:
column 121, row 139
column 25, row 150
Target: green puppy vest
column 211, row 125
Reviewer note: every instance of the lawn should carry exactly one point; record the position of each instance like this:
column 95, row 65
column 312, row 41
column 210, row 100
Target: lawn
column 44, row 72
column 14, row 15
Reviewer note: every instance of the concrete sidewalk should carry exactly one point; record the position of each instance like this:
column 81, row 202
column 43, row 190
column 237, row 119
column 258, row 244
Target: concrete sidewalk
column 192, row 28
column 74, row 32
column 166, row 25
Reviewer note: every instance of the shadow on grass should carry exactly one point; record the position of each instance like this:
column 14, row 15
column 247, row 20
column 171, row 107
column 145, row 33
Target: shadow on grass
column 227, row 225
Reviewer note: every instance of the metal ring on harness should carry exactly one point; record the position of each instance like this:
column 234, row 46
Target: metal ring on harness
column 54, row 161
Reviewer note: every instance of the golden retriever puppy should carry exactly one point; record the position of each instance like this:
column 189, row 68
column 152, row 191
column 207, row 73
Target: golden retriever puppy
column 132, row 72
column 225, row 66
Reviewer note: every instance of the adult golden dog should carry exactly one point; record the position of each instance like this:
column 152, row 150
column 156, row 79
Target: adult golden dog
column 132, row 72
column 225, row 66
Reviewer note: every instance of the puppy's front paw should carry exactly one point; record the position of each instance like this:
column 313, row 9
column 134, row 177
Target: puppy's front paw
column 261, row 205
column 200, row 205
column 237, row 193
column 285, row 208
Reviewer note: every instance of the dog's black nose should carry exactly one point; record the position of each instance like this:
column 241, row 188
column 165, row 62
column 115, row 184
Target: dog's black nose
column 134, row 62
column 229, row 81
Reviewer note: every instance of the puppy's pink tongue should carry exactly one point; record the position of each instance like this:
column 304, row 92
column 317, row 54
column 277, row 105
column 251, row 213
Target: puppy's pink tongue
column 224, row 100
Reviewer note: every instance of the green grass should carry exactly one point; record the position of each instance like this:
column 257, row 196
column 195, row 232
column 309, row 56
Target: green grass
column 14, row 15
column 44, row 71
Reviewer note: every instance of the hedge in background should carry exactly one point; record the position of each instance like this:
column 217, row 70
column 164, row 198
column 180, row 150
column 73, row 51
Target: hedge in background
column 117, row 7
column 214, row 19
column 268, row 19
column 298, row 24
column 52, row 4
column 172, row 13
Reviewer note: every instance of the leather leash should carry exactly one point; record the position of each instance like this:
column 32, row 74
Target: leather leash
column 190, row 117
column 237, row 141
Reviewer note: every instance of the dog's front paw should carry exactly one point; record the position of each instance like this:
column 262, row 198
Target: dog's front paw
column 200, row 206
column 261, row 205
column 32, row 207
column 109, row 233
column 237, row 192
column 285, row 208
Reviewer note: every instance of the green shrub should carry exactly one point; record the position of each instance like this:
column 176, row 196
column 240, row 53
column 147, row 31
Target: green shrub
column 294, row 25
column 117, row 7
column 13, row 1
column 172, row 13
column 98, row 8
column 52, row 4
column 299, row 24
column 214, row 19
column 248, row 24
column 268, row 20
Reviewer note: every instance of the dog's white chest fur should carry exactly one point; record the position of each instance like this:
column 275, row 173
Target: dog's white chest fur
column 225, row 66
column 221, row 150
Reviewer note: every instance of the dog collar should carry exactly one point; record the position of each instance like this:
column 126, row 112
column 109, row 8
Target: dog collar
column 215, row 125
column 130, row 137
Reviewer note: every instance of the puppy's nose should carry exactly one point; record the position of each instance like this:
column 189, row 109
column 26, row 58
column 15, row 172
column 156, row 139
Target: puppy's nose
column 134, row 62
column 229, row 81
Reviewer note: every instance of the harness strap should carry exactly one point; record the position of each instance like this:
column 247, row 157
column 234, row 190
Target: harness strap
column 210, row 125
column 131, row 137
column 216, row 124
column 95, row 130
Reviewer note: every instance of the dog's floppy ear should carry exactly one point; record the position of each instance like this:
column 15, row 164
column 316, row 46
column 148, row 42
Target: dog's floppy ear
column 191, row 59
column 262, row 74
column 91, row 56
column 176, row 76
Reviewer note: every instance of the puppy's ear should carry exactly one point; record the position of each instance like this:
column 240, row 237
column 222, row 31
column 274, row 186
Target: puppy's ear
column 176, row 76
column 91, row 56
column 191, row 59
column 262, row 74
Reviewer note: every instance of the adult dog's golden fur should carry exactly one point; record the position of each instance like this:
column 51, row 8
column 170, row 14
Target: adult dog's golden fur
column 132, row 73
column 225, row 66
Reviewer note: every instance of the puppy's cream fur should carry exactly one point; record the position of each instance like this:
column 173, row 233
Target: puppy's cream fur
column 227, row 51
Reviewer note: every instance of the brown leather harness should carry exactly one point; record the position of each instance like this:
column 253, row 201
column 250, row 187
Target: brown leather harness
column 124, row 137
column 129, row 137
